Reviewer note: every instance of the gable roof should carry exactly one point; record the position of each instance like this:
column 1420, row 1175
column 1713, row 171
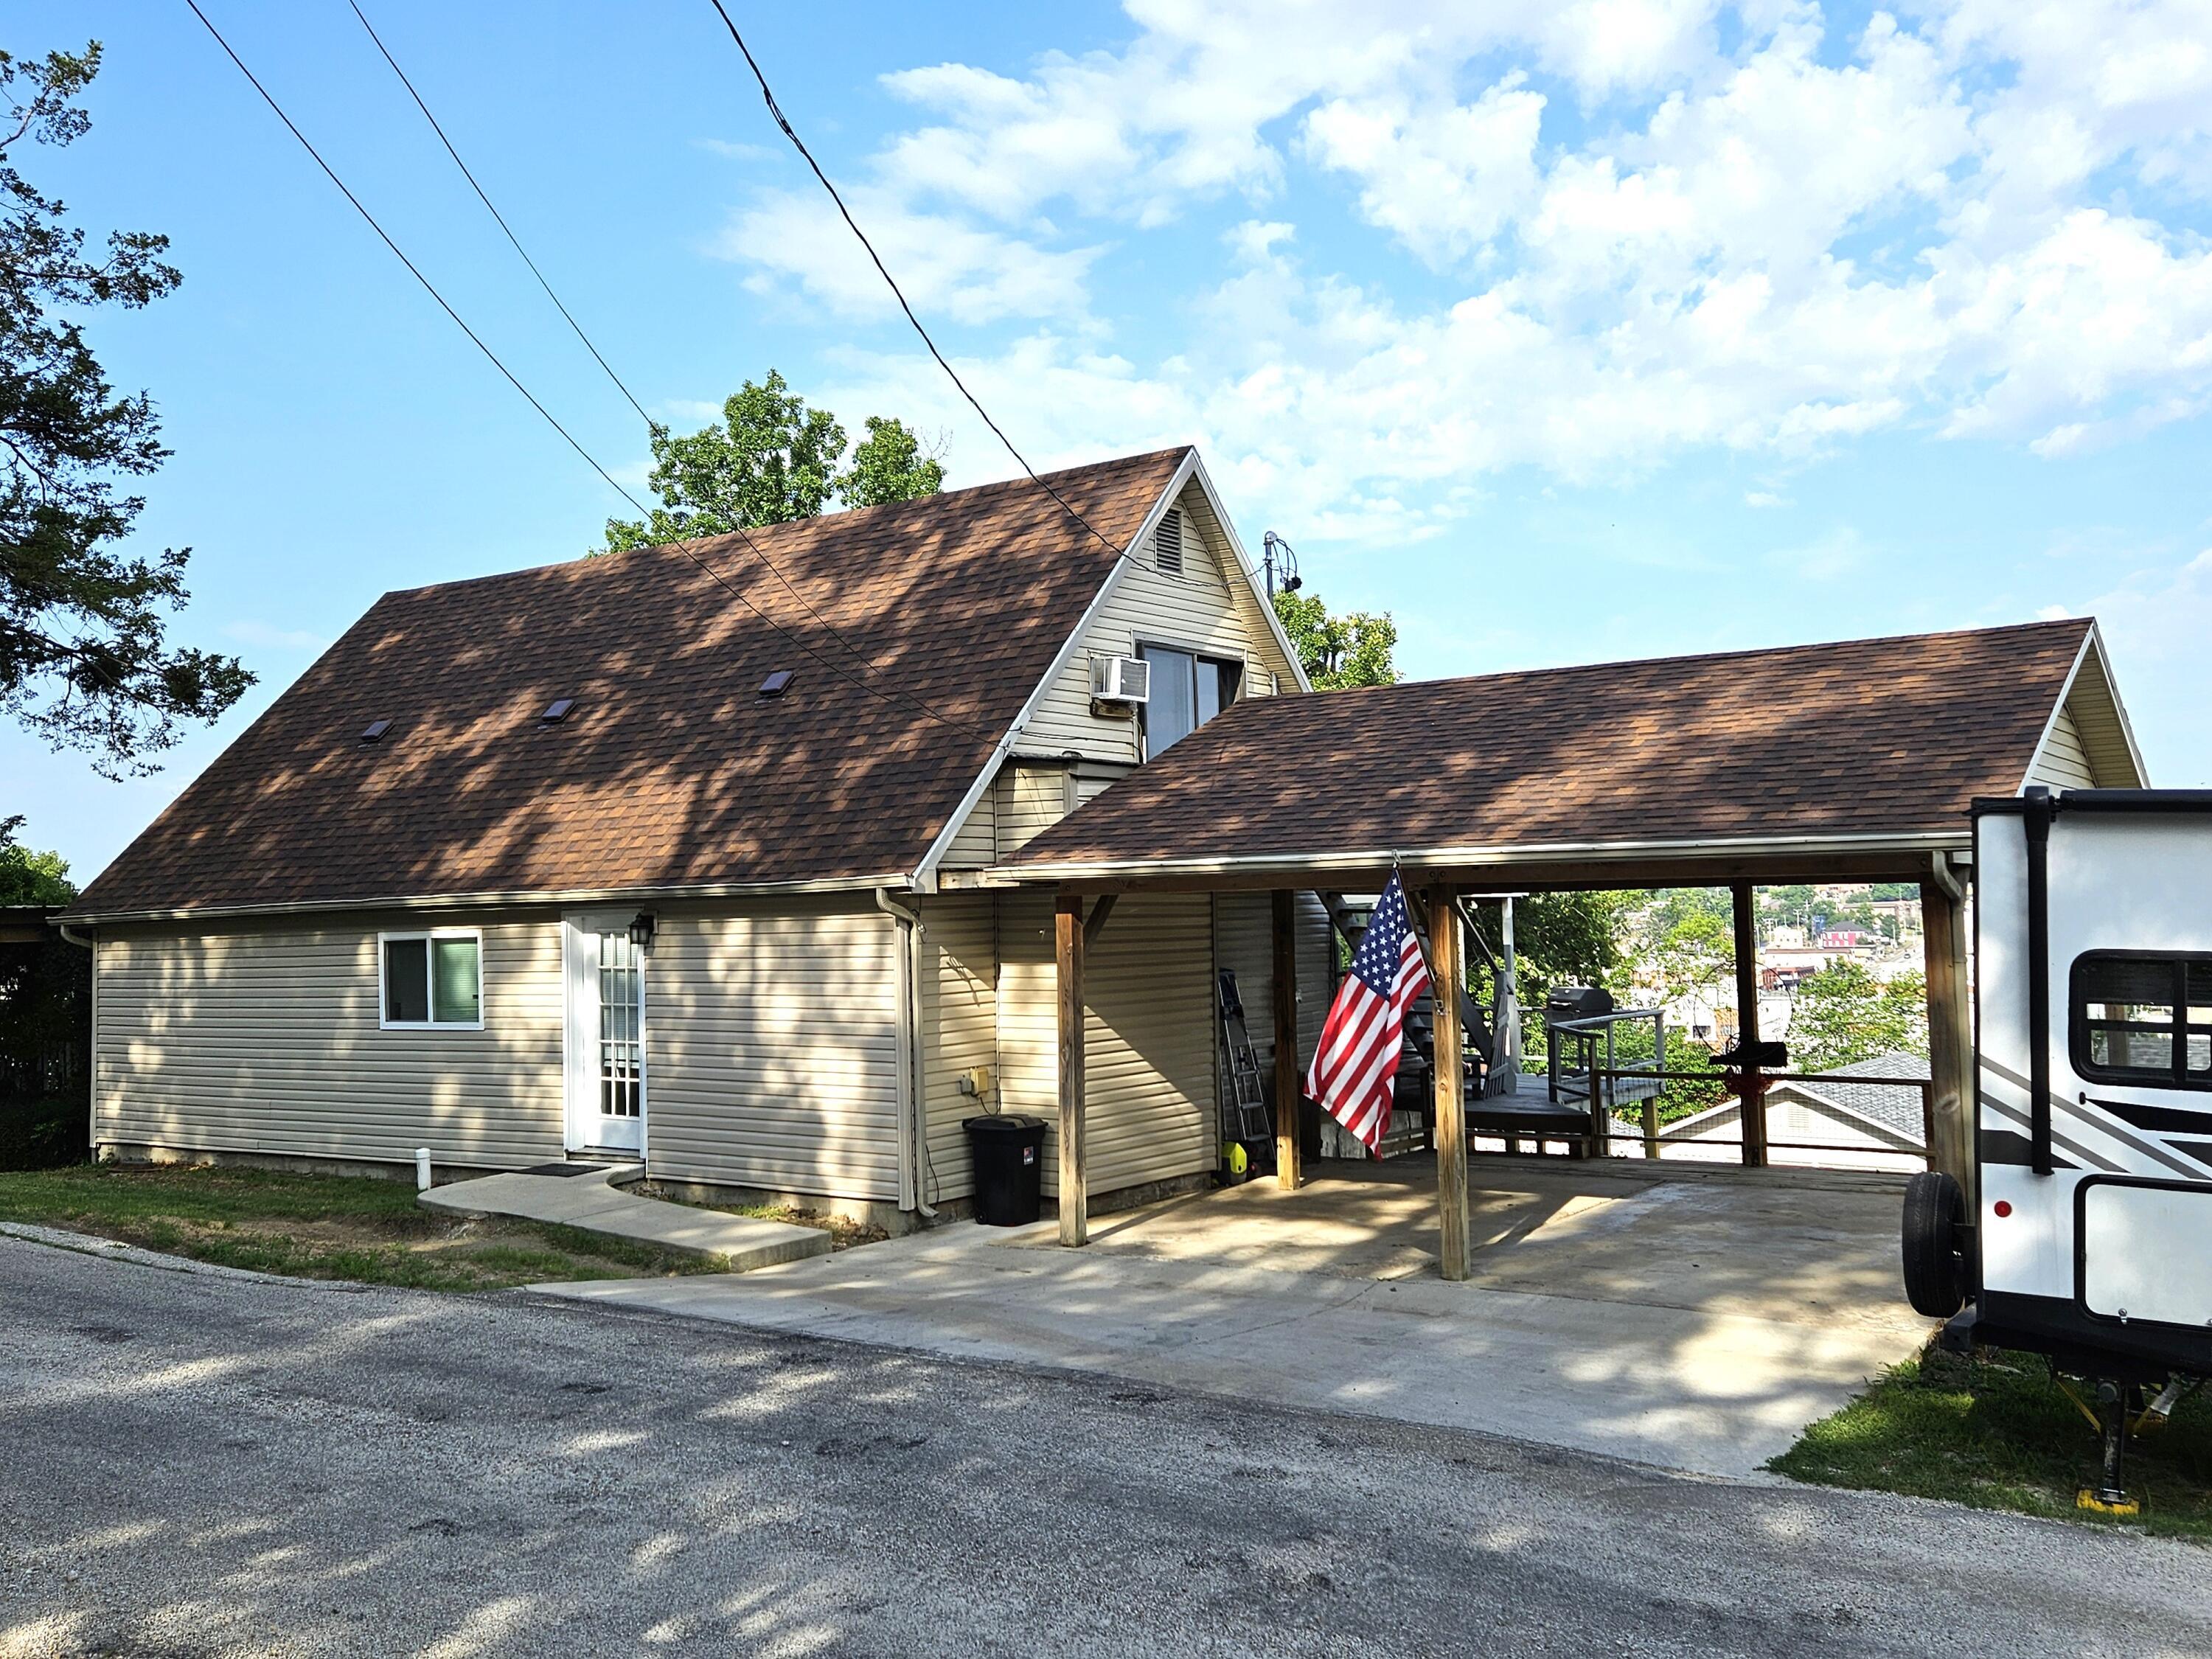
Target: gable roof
column 2089, row 728
column 672, row 773
column 1893, row 1108
column 1877, row 743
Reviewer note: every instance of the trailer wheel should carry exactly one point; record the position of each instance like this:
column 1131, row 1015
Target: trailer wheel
column 1934, row 1276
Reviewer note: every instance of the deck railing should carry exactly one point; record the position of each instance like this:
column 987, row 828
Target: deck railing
column 1646, row 1089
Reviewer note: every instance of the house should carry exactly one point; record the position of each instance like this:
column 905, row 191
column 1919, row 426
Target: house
column 677, row 854
column 1871, row 1125
column 766, row 860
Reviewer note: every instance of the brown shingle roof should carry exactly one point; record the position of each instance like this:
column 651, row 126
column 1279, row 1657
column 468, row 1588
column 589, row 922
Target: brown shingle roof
column 672, row 771
column 1890, row 737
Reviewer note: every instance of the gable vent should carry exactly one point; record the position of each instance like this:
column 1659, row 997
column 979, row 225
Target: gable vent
column 1167, row 543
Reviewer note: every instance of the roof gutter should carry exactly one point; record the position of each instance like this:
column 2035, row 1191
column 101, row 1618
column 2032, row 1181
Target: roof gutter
column 508, row 898
column 1919, row 842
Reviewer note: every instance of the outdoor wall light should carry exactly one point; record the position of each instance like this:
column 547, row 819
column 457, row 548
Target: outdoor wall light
column 641, row 930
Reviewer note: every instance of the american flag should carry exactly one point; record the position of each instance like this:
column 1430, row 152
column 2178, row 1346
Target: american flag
column 1353, row 1069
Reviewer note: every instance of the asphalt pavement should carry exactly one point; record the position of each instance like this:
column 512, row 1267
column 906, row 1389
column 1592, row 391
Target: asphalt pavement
column 196, row 1462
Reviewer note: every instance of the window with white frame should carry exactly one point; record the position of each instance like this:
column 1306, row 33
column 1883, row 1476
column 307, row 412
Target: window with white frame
column 1187, row 691
column 430, row 980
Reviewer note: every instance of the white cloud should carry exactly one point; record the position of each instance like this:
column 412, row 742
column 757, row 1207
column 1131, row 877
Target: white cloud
column 1646, row 228
column 1446, row 179
column 946, row 267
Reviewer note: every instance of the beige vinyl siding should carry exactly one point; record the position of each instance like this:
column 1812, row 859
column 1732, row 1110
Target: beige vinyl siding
column 2095, row 709
column 1089, row 786
column 975, row 843
column 1244, row 940
column 772, row 1050
column 1032, row 798
column 1208, row 609
column 265, row 1039
column 1148, row 1035
column 960, row 1030
column 2063, row 764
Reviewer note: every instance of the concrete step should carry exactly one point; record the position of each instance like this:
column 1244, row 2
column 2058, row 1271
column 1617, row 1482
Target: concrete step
column 594, row 1203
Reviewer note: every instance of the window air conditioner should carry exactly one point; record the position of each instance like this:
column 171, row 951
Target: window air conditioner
column 1121, row 681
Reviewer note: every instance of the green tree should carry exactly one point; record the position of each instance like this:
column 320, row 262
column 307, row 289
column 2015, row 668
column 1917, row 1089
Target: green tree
column 30, row 878
column 1559, row 938
column 771, row 459
column 84, row 659
column 1339, row 651
column 1690, row 940
column 1843, row 1013
column 889, row 465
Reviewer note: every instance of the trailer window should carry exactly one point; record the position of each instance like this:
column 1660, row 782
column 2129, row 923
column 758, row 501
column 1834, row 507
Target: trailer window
column 2137, row 1018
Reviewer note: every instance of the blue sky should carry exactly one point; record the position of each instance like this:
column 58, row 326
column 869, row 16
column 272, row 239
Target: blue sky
column 1564, row 332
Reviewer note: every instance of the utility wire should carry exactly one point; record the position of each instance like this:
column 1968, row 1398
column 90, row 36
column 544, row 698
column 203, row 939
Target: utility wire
column 844, row 212
column 427, row 285
column 682, row 547
column 575, row 327
column 653, row 428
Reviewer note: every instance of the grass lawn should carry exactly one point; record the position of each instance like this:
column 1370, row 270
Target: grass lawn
column 1996, row 1432
column 319, row 1227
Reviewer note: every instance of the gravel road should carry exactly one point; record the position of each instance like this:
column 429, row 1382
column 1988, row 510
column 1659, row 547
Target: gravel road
column 198, row 1463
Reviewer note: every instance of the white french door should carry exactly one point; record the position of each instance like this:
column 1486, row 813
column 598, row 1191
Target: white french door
column 606, row 1032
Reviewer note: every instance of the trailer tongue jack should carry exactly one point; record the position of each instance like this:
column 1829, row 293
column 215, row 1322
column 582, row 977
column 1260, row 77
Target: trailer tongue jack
column 2110, row 1419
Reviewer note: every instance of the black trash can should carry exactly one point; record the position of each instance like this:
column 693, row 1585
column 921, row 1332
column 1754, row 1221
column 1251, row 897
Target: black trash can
column 1009, row 1154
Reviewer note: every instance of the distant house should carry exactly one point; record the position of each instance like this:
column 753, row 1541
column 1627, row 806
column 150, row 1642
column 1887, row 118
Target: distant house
column 1854, row 1125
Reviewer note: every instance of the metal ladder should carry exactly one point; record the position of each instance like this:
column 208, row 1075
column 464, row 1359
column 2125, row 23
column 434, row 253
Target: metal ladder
column 1244, row 1113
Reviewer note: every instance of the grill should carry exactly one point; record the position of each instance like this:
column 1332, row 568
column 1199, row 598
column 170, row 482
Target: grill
column 1576, row 1002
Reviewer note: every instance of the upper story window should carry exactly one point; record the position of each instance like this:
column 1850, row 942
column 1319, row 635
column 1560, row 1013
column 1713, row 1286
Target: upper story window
column 1187, row 691
column 430, row 980
column 2141, row 1018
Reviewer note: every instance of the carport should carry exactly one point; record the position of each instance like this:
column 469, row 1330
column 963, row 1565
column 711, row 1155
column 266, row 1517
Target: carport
column 1844, row 762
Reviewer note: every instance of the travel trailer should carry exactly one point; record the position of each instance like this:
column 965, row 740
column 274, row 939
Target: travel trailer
column 2088, row 1236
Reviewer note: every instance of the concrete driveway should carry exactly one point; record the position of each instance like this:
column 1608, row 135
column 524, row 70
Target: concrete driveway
column 1697, row 1321
column 202, row 1463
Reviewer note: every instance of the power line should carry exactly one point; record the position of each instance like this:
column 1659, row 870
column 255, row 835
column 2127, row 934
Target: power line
column 682, row 547
column 653, row 428
column 428, row 286
column 515, row 242
column 845, row 212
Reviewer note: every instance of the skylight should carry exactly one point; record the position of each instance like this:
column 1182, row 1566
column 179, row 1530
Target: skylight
column 776, row 683
column 557, row 710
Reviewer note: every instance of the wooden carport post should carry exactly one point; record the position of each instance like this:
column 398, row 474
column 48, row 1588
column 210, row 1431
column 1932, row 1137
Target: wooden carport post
column 1751, row 1111
column 1067, row 957
column 1950, row 1035
column 1448, row 970
column 1288, row 1088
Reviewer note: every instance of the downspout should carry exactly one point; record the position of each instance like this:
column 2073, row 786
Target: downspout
column 914, row 1118
column 70, row 936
